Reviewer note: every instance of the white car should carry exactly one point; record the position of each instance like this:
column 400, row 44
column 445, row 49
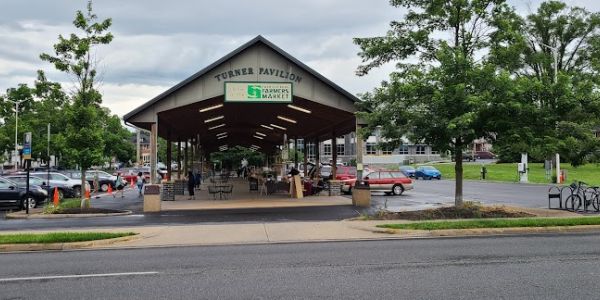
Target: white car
column 58, row 178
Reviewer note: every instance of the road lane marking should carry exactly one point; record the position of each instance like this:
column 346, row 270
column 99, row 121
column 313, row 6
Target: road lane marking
column 76, row 276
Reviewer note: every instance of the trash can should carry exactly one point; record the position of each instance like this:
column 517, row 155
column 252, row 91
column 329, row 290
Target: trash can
column 168, row 191
column 152, row 198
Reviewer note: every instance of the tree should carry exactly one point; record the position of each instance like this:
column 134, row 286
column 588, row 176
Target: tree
column 553, row 57
column 74, row 55
column 440, row 89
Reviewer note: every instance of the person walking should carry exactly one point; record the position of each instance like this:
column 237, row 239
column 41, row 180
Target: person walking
column 191, row 185
column 119, row 185
column 140, row 183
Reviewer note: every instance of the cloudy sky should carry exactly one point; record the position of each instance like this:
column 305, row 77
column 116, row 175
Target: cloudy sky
column 160, row 43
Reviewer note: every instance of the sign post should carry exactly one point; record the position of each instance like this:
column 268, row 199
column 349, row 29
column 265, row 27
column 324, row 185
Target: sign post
column 27, row 159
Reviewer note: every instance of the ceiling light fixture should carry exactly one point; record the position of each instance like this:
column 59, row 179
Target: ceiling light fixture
column 254, row 146
column 211, row 107
column 221, row 137
column 267, row 127
column 278, row 127
column 214, row 119
column 258, row 137
column 304, row 110
column 222, row 133
column 260, row 133
column 286, row 119
column 215, row 127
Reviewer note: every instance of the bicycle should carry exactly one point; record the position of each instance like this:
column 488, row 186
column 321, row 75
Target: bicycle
column 577, row 197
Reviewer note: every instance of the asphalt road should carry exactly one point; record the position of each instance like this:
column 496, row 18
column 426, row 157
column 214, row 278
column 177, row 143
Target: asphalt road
column 431, row 193
column 529, row 267
column 427, row 194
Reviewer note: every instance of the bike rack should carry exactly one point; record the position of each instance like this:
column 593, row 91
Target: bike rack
column 555, row 192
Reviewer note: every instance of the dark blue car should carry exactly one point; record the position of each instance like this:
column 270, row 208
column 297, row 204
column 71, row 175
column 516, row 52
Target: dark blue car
column 428, row 172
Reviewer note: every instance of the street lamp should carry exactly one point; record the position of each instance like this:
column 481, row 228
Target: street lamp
column 16, row 124
column 555, row 55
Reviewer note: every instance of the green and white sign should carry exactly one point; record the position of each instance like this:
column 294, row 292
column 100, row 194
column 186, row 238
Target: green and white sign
column 265, row 92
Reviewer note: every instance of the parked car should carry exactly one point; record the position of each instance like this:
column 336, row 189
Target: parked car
column 466, row 156
column 428, row 172
column 57, row 178
column 408, row 171
column 14, row 195
column 389, row 182
column 61, row 187
column 104, row 179
column 485, row 155
column 344, row 172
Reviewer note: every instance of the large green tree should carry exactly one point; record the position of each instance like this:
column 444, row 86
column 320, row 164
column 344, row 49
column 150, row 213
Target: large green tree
column 75, row 56
column 441, row 86
column 553, row 57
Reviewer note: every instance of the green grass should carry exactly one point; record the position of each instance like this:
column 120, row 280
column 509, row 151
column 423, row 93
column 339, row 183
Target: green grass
column 589, row 173
column 59, row 237
column 64, row 203
column 496, row 223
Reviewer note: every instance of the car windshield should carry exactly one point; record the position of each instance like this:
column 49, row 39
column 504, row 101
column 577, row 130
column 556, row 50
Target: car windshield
column 429, row 168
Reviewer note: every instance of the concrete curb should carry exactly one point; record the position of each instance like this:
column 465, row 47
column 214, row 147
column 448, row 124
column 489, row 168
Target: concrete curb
column 487, row 231
column 21, row 215
column 66, row 246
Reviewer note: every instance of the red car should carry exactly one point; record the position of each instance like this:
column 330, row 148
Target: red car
column 345, row 173
column 389, row 182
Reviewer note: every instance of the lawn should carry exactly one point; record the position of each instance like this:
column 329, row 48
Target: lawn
column 59, row 237
column 589, row 173
column 496, row 223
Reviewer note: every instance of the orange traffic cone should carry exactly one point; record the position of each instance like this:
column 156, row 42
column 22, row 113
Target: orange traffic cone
column 87, row 194
column 55, row 199
column 109, row 189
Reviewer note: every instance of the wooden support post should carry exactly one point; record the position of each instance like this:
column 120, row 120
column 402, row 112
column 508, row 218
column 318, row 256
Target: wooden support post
column 169, row 156
column 317, row 158
column 179, row 158
column 153, row 152
column 305, row 158
column 185, row 158
column 333, row 156
column 296, row 153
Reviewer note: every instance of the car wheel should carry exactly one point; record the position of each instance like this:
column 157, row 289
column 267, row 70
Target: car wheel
column 29, row 201
column 104, row 187
column 397, row 190
column 77, row 191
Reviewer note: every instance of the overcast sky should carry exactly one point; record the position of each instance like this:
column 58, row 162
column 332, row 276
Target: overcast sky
column 160, row 43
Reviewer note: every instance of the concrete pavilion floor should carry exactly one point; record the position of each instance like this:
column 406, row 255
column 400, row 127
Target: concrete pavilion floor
column 243, row 198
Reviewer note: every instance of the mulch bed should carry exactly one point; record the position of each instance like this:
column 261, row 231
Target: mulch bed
column 465, row 212
column 90, row 210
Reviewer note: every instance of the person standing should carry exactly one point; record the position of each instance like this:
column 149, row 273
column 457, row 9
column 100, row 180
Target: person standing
column 140, row 183
column 191, row 185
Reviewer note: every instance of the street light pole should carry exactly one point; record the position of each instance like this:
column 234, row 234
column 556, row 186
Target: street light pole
column 555, row 55
column 16, row 125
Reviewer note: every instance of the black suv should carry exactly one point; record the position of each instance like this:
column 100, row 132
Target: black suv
column 14, row 195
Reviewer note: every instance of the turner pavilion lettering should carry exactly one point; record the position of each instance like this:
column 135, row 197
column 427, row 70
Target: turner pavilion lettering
column 261, row 71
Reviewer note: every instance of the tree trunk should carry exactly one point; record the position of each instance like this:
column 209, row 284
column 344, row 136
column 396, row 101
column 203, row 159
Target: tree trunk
column 458, row 170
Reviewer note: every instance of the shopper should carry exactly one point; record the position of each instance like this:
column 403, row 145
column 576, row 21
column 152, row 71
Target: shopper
column 191, row 185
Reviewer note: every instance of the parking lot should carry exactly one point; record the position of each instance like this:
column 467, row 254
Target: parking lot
column 433, row 193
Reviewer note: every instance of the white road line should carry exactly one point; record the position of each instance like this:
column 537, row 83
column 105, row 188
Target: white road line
column 75, row 276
